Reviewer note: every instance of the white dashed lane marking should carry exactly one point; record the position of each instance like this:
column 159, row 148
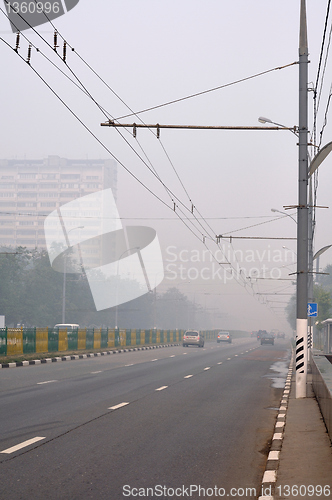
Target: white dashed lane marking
column 162, row 388
column 23, row 445
column 118, row 406
column 46, row 382
column 188, row 376
column 207, row 368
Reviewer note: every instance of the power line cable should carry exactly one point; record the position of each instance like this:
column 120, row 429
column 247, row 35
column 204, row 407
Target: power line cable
column 88, row 94
column 208, row 91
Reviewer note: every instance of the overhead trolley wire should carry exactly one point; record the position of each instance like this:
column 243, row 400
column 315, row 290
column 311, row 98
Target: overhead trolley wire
column 102, row 109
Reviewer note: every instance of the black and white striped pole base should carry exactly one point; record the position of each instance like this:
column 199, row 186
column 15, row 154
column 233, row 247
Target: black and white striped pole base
column 301, row 357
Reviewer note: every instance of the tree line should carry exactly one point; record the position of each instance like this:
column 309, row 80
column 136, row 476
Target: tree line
column 31, row 294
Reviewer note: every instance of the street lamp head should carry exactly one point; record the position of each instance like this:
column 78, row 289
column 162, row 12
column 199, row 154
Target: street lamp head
column 262, row 119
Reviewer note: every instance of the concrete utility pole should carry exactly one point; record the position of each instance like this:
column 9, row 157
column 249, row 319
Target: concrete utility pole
column 302, row 215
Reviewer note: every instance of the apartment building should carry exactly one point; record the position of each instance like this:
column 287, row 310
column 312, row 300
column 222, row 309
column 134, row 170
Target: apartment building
column 32, row 189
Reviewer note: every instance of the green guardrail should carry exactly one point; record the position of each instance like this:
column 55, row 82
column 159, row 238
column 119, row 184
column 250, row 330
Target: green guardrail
column 18, row 341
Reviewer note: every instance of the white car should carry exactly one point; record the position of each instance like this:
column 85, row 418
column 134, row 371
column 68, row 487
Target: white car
column 193, row 337
column 224, row 337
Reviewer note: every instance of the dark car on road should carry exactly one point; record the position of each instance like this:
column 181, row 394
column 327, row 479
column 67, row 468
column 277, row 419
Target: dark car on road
column 267, row 338
column 260, row 333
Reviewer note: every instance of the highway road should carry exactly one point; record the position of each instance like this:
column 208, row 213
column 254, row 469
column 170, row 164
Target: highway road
column 149, row 424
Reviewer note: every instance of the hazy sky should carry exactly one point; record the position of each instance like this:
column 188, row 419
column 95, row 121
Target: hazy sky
column 152, row 52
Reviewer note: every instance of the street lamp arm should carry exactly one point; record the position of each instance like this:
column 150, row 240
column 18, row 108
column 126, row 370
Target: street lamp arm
column 319, row 157
column 283, row 213
column 262, row 119
column 322, row 250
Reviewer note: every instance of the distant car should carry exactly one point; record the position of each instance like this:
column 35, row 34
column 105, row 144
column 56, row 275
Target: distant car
column 193, row 337
column 267, row 338
column 281, row 335
column 67, row 326
column 224, row 337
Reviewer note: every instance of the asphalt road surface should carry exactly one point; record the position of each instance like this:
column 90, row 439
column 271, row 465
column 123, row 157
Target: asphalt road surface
column 165, row 423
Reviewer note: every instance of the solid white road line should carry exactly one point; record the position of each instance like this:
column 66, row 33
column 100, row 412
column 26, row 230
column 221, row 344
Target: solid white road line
column 162, row 388
column 23, row 445
column 46, row 382
column 118, row 406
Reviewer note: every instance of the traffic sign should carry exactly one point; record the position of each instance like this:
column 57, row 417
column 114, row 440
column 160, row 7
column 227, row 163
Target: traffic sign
column 312, row 309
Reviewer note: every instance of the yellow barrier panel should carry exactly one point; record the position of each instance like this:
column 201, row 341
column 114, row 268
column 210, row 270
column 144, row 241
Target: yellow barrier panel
column 111, row 338
column 81, row 339
column 122, row 334
column 14, row 341
column 133, row 337
column 63, row 340
column 41, row 339
column 158, row 337
column 142, row 337
column 97, row 338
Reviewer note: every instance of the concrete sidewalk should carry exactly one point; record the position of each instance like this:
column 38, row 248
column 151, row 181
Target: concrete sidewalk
column 306, row 452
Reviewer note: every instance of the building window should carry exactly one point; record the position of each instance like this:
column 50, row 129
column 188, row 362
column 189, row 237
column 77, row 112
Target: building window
column 49, row 186
column 27, row 186
column 27, row 176
column 26, row 204
column 49, row 176
column 47, row 195
column 26, row 232
column 48, row 204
